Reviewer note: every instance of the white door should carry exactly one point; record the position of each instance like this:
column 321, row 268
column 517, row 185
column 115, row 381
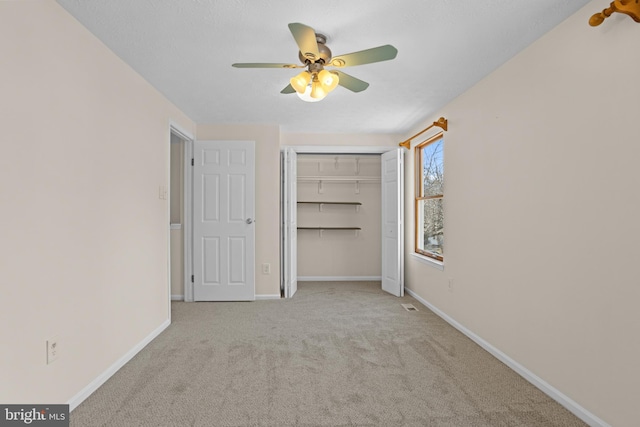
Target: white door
column 223, row 221
column 392, row 222
column 290, row 222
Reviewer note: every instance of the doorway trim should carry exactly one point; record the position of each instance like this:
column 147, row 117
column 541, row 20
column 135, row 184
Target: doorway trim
column 188, row 139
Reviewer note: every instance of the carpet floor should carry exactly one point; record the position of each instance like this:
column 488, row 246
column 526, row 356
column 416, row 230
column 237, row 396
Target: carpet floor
column 337, row 354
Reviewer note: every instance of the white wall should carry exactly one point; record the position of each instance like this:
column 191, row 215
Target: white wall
column 541, row 213
column 84, row 247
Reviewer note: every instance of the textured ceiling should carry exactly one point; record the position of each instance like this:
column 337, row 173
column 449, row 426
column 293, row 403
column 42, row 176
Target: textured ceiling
column 185, row 49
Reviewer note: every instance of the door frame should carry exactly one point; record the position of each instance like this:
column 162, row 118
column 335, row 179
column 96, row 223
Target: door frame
column 188, row 139
column 288, row 250
column 324, row 149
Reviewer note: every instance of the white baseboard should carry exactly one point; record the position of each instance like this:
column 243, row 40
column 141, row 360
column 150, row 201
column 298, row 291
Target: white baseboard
column 545, row 387
column 339, row 278
column 102, row 378
column 273, row 296
column 258, row 297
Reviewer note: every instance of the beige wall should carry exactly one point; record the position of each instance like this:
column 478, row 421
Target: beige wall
column 267, row 195
column 541, row 213
column 341, row 139
column 84, row 249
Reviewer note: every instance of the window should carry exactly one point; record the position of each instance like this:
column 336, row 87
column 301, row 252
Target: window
column 429, row 196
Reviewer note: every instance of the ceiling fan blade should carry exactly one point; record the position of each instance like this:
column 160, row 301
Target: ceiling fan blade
column 288, row 89
column 265, row 65
column 306, row 40
column 350, row 82
column 376, row 54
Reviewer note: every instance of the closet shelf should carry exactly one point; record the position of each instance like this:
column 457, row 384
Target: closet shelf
column 320, row 204
column 339, row 178
column 330, row 228
column 321, row 229
column 332, row 203
column 357, row 180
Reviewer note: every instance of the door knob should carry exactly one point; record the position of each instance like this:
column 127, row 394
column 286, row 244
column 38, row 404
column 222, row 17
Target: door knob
column 249, row 221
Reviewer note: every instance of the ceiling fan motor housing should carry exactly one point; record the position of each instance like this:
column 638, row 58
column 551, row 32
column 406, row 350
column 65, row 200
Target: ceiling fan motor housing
column 323, row 50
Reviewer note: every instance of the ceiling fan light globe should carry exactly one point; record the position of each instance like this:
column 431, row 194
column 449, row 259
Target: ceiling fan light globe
column 328, row 80
column 318, row 91
column 306, row 95
column 301, row 81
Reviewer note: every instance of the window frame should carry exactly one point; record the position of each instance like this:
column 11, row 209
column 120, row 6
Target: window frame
column 419, row 195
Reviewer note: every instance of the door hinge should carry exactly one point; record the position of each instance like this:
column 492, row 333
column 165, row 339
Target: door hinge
column 192, row 278
column 192, row 162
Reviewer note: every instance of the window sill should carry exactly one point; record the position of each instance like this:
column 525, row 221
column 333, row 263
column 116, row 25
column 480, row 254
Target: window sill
column 429, row 261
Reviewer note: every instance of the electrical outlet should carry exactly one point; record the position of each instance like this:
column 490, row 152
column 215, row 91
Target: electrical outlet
column 450, row 284
column 266, row 268
column 52, row 350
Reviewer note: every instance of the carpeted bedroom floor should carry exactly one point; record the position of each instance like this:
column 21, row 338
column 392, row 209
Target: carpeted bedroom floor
column 337, row 354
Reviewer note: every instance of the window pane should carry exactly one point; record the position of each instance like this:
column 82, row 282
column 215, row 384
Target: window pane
column 431, row 237
column 432, row 169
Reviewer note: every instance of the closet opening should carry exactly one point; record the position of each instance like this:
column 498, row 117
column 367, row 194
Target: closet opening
column 332, row 218
column 338, row 217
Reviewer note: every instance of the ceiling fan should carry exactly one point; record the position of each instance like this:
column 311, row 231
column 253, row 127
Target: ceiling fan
column 316, row 82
